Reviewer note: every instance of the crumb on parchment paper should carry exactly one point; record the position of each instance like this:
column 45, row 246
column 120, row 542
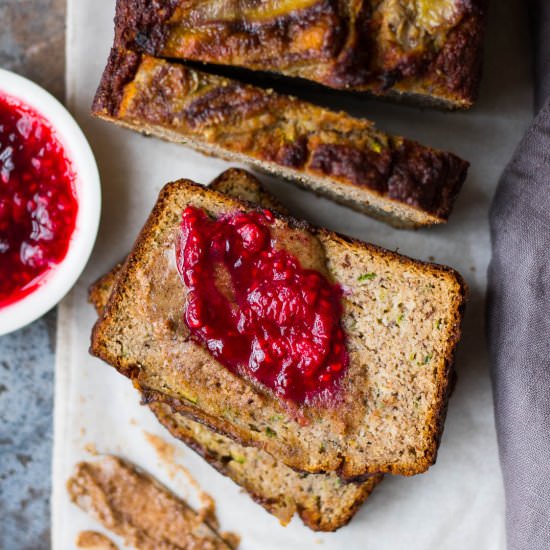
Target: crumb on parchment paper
column 92, row 540
column 91, row 448
column 165, row 451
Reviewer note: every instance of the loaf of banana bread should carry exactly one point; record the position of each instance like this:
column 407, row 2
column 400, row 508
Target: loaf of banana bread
column 333, row 154
column 426, row 51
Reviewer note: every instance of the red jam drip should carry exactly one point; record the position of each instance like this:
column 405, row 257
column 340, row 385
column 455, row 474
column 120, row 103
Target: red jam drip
column 38, row 205
column 257, row 311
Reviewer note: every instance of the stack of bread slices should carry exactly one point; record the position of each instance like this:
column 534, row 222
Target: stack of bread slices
column 402, row 320
column 401, row 317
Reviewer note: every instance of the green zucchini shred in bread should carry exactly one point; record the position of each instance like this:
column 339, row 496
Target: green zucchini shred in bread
column 380, row 426
column 321, row 500
column 330, row 153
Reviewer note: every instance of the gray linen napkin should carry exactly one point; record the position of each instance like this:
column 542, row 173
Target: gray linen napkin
column 519, row 316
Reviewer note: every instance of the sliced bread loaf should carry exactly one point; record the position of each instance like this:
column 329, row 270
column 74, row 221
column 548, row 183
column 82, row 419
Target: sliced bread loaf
column 322, row 501
column 402, row 320
column 344, row 158
column 427, row 51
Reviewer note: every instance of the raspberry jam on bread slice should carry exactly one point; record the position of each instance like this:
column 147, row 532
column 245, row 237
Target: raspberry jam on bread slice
column 253, row 306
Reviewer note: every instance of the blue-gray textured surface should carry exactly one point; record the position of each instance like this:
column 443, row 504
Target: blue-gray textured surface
column 26, row 403
column 32, row 44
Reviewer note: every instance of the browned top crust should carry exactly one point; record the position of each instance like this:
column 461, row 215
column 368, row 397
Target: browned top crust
column 282, row 130
column 429, row 48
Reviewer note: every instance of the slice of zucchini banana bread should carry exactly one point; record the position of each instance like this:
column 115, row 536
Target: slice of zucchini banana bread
column 344, row 158
column 402, row 321
column 428, row 51
column 322, row 501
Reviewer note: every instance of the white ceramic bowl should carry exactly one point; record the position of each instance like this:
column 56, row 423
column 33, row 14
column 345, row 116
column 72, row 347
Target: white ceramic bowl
column 59, row 279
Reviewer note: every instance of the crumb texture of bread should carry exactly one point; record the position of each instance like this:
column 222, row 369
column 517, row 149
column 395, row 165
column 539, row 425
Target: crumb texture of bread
column 331, row 153
column 136, row 507
column 323, row 501
column 431, row 49
column 402, row 320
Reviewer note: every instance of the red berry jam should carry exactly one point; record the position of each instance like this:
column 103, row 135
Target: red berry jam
column 257, row 311
column 38, row 204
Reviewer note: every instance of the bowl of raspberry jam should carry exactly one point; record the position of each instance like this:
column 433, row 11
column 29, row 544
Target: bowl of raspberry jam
column 50, row 201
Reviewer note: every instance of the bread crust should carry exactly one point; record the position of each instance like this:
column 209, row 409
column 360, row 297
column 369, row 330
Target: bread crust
column 380, row 46
column 347, row 159
column 433, row 417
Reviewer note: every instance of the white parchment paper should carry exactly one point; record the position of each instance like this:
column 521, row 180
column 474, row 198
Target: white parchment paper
column 458, row 504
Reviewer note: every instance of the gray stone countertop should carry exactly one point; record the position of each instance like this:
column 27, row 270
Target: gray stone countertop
column 32, row 41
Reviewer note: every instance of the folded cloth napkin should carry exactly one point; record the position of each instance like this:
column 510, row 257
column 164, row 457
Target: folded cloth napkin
column 519, row 316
